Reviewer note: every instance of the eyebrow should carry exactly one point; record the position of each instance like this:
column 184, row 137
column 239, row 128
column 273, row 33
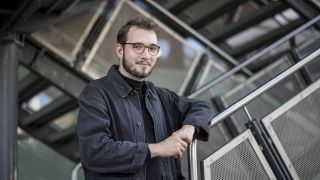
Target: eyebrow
column 145, row 44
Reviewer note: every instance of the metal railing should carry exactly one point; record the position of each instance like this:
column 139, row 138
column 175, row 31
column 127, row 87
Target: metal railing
column 192, row 160
column 250, row 60
column 192, row 152
column 75, row 171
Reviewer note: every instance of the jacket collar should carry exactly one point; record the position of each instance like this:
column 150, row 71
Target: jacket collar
column 121, row 86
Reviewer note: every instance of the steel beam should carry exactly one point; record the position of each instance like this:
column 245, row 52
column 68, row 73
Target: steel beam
column 248, row 21
column 62, row 136
column 214, row 12
column 305, row 9
column 24, row 12
column 31, row 87
column 266, row 39
column 49, row 67
column 8, row 107
column 178, row 6
column 55, row 109
column 199, row 68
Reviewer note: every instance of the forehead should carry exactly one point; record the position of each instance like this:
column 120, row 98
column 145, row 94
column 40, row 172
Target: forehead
column 145, row 36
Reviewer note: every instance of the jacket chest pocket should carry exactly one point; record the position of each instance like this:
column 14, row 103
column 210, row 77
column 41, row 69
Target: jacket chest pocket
column 155, row 109
column 126, row 120
column 131, row 118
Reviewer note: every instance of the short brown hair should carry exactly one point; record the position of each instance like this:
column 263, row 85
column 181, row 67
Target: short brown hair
column 140, row 22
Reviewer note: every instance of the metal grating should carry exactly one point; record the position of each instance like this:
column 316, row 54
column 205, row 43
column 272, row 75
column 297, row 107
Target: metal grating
column 295, row 130
column 267, row 102
column 239, row 159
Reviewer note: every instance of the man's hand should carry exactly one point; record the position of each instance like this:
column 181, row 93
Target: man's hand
column 175, row 145
column 186, row 133
column 172, row 146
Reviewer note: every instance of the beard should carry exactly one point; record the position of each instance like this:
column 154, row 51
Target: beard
column 130, row 68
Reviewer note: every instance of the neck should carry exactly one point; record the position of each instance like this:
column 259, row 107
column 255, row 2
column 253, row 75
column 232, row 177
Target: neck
column 136, row 85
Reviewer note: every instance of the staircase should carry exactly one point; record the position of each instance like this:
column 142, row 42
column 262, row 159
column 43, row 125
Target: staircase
column 66, row 44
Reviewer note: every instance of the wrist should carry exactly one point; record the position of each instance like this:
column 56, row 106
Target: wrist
column 190, row 128
column 153, row 148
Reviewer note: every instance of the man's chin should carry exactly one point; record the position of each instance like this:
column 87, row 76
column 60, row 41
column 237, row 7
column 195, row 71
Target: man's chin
column 143, row 74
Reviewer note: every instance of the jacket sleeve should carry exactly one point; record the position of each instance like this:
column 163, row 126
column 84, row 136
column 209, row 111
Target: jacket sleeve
column 98, row 151
column 193, row 112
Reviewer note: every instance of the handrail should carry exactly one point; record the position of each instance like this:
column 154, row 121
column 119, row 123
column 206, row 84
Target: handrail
column 192, row 153
column 74, row 175
column 224, row 76
column 192, row 150
column 250, row 97
column 247, row 99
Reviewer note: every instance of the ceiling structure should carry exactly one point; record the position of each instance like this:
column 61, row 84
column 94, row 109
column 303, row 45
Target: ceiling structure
column 237, row 29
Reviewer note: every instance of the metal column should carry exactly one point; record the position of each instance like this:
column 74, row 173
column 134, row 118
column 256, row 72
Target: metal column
column 8, row 107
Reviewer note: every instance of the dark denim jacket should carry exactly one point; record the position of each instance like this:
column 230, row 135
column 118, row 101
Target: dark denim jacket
column 110, row 132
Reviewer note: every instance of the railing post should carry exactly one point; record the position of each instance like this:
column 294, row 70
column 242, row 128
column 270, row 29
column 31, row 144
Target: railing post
column 75, row 171
column 192, row 160
column 192, row 163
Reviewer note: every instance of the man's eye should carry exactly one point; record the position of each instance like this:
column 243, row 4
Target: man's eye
column 138, row 46
column 153, row 48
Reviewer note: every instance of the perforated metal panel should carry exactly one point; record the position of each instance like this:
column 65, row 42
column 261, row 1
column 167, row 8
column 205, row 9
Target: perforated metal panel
column 241, row 158
column 270, row 100
column 295, row 130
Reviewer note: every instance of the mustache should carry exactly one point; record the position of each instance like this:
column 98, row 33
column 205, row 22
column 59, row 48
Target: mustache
column 144, row 62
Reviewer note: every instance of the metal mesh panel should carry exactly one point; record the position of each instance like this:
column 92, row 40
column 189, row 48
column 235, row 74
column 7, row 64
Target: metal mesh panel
column 240, row 163
column 267, row 102
column 295, row 129
column 217, row 138
column 239, row 159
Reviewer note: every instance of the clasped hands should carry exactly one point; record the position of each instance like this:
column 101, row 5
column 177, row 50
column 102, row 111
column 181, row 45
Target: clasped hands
column 175, row 145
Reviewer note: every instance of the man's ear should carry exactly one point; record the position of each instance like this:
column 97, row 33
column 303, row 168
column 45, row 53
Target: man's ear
column 119, row 50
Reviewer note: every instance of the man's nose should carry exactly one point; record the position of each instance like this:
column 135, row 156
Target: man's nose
column 146, row 54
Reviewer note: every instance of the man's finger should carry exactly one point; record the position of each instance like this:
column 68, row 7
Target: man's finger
column 186, row 138
column 184, row 143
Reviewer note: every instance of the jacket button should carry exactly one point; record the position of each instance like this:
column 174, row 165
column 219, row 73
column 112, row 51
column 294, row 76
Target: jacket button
column 139, row 124
column 131, row 93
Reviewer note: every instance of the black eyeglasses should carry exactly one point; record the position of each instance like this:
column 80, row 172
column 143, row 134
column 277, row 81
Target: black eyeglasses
column 139, row 48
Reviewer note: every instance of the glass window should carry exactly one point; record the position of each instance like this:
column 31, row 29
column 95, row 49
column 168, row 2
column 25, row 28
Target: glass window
column 67, row 36
column 41, row 100
column 176, row 57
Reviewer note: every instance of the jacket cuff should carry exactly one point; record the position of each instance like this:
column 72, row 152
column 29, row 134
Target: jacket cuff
column 140, row 155
column 201, row 132
column 148, row 155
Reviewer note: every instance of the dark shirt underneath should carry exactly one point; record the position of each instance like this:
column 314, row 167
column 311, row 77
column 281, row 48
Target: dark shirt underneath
column 152, row 164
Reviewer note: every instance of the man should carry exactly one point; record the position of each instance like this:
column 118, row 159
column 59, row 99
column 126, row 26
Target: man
column 127, row 127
